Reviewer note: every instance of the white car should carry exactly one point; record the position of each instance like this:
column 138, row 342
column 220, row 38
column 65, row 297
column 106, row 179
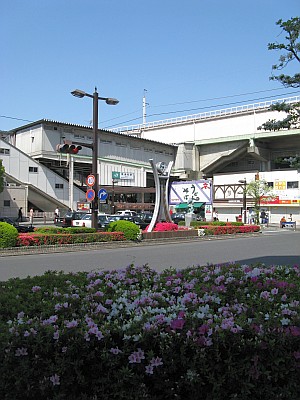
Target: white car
column 126, row 212
column 86, row 221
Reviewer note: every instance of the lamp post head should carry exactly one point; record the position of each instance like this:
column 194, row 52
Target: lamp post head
column 81, row 93
column 78, row 93
column 111, row 101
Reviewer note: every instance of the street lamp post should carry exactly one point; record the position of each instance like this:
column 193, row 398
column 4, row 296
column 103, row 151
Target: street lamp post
column 244, row 182
column 113, row 207
column 110, row 101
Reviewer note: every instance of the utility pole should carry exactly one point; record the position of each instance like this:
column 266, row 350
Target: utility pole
column 144, row 107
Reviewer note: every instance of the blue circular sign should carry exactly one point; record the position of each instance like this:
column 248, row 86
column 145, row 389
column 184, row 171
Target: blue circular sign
column 102, row 194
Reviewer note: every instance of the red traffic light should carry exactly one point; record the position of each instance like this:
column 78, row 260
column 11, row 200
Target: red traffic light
column 74, row 149
column 68, row 148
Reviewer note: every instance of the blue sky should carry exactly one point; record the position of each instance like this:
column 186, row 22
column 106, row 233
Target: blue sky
column 189, row 55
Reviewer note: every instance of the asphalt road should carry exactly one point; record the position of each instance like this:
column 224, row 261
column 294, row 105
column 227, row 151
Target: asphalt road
column 278, row 247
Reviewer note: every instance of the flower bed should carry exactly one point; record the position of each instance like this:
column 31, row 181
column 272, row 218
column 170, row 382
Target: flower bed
column 215, row 332
column 229, row 229
column 38, row 239
column 204, row 230
column 182, row 233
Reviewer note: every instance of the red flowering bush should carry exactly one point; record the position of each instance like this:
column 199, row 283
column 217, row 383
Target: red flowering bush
column 34, row 239
column 165, row 226
column 229, row 229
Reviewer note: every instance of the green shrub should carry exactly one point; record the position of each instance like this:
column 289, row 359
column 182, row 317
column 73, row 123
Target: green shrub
column 8, row 235
column 130, row 230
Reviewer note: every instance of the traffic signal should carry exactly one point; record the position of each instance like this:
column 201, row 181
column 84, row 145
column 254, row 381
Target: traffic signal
column 68, row 148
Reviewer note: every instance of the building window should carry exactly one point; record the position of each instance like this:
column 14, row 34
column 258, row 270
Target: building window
column 4, row 151
column 270, row 184
column 33, row 169
column 6, row 203
column 292, row 185
column 59, row 186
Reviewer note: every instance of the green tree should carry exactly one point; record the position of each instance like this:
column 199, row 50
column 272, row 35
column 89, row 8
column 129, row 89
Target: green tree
column 2, row 170
column 290, row 52
column 257, row 189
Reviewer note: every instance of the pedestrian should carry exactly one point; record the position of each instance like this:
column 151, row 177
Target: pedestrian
column 263, row 217
column 31, row 216
column 20, row 215
column 56, row 214
column 215, row 215
column 290, row 218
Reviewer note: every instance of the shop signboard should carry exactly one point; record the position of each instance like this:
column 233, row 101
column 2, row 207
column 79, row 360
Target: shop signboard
column 195, row 191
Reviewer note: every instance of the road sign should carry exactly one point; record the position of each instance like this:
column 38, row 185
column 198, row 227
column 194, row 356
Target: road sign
column 90, row 180
column 90, row 195
column 116, row 175
column 102, row 194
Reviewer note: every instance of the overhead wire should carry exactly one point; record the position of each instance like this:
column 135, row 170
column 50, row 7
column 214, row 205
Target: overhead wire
column 199, row 108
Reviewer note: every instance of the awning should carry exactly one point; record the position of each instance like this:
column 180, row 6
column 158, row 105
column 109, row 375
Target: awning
column 181, row 206
column 198, row 205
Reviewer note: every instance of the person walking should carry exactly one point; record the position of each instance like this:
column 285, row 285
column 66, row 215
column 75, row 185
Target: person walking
column 56, row 215
column 31, row 216
column 20, row 215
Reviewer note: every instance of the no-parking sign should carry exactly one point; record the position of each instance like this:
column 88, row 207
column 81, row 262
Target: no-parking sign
column 90, row 195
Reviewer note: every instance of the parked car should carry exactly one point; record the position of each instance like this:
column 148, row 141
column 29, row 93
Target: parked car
column 86, row 221
column 126, row 212
column 146, row 216
column 131, row 218
column 20, row 228
column 177, row 217
column 140, row 222
column 67, row 219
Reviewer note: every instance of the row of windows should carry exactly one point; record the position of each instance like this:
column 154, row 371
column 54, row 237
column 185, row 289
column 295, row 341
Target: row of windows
column 289, row 185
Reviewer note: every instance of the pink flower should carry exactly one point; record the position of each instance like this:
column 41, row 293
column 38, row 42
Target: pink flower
column 55, row 379
column 136, row 357
column 177, row 323
column 203, row 329
column 295, row 330
column 115, row 350
column 149, row 369
column 296, row 354
column 71, row 324
column 21, row 352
